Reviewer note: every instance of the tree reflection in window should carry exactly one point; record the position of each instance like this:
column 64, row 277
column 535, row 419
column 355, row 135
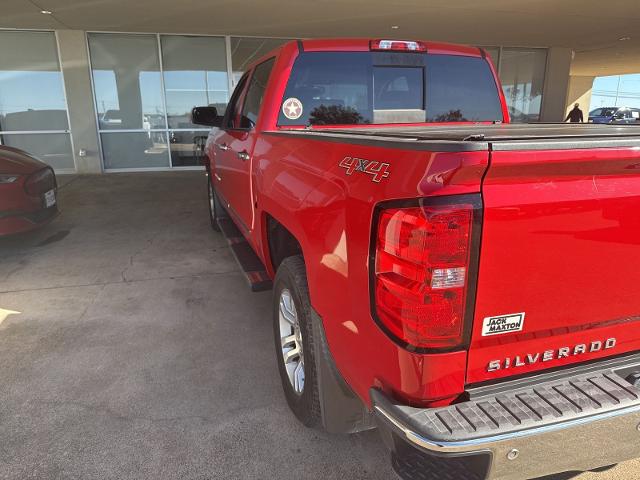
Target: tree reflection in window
column 450, row 116
column 335, row 115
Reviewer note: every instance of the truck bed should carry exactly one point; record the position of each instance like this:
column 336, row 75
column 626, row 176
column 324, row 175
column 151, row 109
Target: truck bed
column 482, row 137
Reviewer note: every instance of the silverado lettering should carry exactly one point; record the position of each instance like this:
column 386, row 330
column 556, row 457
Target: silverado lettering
column 547, row 355
column 391, row 296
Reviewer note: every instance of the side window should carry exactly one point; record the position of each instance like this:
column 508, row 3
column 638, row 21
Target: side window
column 233, row 109
column 255, row 94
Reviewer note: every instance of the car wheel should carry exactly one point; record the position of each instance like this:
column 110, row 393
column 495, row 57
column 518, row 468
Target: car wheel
column 213, row 205
column 293, row 333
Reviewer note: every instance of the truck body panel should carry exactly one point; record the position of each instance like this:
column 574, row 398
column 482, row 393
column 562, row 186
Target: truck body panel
column 554, row 280
column 560, row 243
column 330, row 213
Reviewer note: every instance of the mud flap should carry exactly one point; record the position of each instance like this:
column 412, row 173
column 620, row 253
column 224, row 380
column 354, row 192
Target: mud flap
column 342, row 410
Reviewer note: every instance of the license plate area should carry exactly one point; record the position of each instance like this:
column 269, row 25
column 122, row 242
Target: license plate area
column 50, row 198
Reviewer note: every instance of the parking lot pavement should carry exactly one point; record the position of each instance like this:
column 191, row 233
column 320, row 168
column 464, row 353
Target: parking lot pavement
column 130, row 347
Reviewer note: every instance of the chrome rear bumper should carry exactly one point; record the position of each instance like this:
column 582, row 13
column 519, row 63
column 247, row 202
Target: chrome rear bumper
column 579, row 423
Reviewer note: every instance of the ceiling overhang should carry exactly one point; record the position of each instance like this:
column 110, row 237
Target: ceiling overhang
column 592, row 29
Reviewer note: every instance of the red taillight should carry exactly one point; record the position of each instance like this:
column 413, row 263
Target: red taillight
column 402, row 45
column 422, row 262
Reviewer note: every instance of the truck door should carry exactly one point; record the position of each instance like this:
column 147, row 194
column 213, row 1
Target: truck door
column 235, row 146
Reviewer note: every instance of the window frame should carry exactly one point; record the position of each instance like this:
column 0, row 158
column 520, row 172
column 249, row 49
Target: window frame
column 248, row 88
column 237, row 97
column 410, row 61
column 167, row 130
column 66, row 131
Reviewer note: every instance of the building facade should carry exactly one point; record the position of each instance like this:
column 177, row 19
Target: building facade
column 92, row 102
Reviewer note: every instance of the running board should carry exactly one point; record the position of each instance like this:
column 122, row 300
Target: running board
column 252, row 267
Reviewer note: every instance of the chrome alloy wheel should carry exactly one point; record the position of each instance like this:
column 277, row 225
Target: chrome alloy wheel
column 291, row 341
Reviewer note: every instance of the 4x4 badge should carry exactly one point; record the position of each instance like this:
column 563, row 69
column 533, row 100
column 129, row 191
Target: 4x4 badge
column 377, row 169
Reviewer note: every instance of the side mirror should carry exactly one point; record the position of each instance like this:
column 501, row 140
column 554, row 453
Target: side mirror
column 207, row 116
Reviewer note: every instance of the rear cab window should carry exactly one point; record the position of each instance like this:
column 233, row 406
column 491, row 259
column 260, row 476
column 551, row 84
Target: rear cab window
column 352, row 88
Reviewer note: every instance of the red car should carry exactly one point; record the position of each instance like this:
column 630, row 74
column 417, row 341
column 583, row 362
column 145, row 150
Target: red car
column 469, row 286
column 28, row 192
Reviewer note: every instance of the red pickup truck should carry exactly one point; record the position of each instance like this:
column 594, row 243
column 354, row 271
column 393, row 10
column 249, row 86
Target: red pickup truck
column 471, row 287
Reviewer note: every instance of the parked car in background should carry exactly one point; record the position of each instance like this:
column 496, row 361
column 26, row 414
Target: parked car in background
column 28, row 192
column 615, row 115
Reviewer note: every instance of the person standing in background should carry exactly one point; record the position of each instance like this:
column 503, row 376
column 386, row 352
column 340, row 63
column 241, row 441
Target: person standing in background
column 575, row 115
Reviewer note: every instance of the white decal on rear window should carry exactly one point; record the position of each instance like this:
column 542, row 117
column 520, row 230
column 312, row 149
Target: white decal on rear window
column 292, row 108
column 512, row 322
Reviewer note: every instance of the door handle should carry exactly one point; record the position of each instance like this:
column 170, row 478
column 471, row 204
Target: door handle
column 223, row 146
column 244, row 156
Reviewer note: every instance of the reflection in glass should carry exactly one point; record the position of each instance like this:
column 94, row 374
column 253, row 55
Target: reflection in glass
column 195, row 73
column 398, row 88
column 522, row 75
column 135, row 150
column 31, row 88
column 127, row 83
column 245, row 50
column 52, row 148
column 255, row 94
column 187, row 147
column 461, row 89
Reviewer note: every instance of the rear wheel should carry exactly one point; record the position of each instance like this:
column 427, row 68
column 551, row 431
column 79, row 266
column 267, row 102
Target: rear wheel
column 214, row 208
column 294, row 341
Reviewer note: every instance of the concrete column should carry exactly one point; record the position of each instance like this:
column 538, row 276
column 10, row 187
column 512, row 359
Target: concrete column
column 74, row 62
column 580, row 92
column 556, row 84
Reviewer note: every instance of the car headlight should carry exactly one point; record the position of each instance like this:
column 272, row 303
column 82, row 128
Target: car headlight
column 8, row 178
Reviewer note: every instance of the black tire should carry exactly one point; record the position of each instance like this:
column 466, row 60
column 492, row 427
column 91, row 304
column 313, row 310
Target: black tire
column 212, row 202
column 292, row 276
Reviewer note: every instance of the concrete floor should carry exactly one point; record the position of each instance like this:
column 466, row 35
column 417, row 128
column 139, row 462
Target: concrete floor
column 137, row 351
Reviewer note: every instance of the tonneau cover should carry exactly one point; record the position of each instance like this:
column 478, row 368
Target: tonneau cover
column 493, row 136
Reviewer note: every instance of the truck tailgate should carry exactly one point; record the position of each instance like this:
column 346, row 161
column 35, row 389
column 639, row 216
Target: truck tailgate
column 559, row 271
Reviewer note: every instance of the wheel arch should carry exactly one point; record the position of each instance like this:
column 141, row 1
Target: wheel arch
column 280, row 242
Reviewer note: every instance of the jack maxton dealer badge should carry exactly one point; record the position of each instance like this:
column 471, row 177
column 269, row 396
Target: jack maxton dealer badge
column 512, row 322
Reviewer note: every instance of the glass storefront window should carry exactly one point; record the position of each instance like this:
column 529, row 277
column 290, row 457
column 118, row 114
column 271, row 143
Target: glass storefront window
column 33, row 108
column 134, row 150
column 522, row 74
column 145, row 86
column 186, row 147
column 52, row 148
column 126, row 80
column 245, row 50
column 195, row 73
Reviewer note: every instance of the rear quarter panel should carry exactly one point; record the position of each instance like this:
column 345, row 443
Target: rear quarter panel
column 299, row 183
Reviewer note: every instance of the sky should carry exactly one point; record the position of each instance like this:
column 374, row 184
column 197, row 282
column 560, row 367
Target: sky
column 616, row 91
